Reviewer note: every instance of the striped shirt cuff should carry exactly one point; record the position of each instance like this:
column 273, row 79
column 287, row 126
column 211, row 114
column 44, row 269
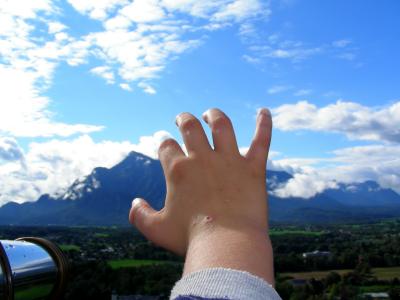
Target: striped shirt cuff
column 222, row 283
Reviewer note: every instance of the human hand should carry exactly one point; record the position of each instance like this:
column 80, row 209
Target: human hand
column 215, row 197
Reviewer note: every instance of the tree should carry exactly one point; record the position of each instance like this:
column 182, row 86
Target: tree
column 332, row 278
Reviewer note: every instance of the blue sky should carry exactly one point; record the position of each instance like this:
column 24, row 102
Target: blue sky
column 84, row 82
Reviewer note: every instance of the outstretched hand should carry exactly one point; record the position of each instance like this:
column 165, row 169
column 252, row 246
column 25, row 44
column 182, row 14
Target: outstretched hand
column 216, row 204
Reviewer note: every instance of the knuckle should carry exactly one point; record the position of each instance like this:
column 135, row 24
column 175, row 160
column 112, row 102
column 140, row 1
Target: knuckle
column 189, row 123
column 177, row 168
column 150, row 224
column 167, row 143
column 258, row 170
column 177, row 164
column 221, row 121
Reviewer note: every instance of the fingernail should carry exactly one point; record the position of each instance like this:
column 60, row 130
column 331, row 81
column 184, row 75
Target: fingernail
column 263, row 111
column 205, row 115
column 178, row 120
column 264, row 117
column 136, row 202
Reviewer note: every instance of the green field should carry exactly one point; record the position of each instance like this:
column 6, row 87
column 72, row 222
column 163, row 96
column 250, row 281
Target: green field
column 380, row 273
column 387, row 273
column 279, row 232
column 66, row 247
column 374, row 288
column 33, row 292
column 131, row 263
column 101, row 235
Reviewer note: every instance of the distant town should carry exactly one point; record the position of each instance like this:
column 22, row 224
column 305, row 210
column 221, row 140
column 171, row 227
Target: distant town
column 352, row 261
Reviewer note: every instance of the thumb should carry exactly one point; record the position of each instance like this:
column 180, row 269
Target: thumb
column 146, row 219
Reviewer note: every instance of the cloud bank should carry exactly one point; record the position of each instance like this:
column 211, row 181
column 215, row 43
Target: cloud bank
column 356, row 121
column 140, row 37
column 132, row 45
column 379, row 162
column 49, row 167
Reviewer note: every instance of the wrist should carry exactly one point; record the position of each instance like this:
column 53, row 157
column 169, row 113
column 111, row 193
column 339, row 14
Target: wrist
column 245, row 248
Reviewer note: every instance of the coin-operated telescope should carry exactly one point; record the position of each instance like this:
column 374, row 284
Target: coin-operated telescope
column 31, row 269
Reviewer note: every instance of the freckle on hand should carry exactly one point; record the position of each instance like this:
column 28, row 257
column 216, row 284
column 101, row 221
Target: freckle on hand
column 208, row 219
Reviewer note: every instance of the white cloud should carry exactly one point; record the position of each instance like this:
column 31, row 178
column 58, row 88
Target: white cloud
column 97, row 9
column 371, row 154
column 302, row 92
column 24, row 112
column 352, row 119
column 9, row 150
column 304, row 186
column 248, row 32
column 48, row 167
column 142, row 11
column 296, row 164
column 104, row 72
column 240, row 10
column 56, row 27
column 118, row 22
column 275, row 47
column 25, row 9
column 139, row 38
column 251, row 59
column 142, row 36
column 295, row 54
column 347, row 56
column 341, row 43
column 278, row 89
column 27, row 67
column 126, row 87
column 139, row 55
column 148, row 89
column 219, row 10
column 273, row 154
column 149, row 145
column 380, row 163
column 243, row 150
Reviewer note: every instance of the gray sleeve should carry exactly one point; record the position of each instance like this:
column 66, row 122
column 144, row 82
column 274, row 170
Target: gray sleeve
column 221, row 283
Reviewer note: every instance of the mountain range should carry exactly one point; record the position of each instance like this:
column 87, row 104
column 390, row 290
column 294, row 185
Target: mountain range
column 104, row 198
